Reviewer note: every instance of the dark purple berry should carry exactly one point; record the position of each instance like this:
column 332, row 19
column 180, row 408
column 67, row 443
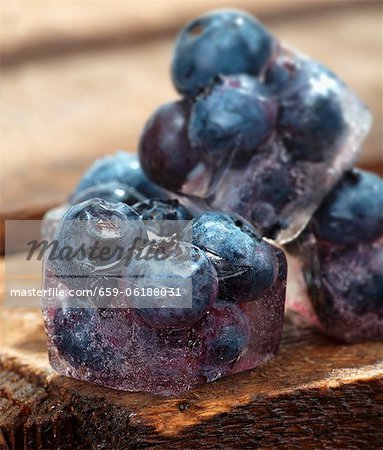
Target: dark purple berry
column 224, row 334
column 76, row 340
column 224, row 42
column 348, row 293
column 116, row 178
column 236, row 115
column 246, row 265
column 353, row 211
column 281, row 73
column 91, row 241
column 186, row 271
column 165, row 152
column 311, row 121
column 163, row 217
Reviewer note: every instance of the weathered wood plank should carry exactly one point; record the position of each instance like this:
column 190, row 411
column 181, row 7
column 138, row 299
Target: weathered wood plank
column 37, row 29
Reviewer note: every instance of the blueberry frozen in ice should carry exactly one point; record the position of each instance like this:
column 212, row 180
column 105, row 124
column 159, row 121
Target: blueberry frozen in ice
column 165, row 152
column 342, row 254
column 116, row 178
column 91, row 225
column 188, row 271
column 224, row 42
column 113, row 178
column 227, row 318
column 353, row 211
column 237, row 113
column 246, row 264
column 163, row 217
column 227, row 333
column 362, row 284
column 73, row 338
column 311, row 120
column 253, row 104
column 154, row 209
column 349, row 302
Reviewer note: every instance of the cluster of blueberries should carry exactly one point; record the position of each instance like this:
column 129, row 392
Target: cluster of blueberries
column 256, row 123
column 345, row 272
column 224, row 111
column 229, row 266
column 241, row 98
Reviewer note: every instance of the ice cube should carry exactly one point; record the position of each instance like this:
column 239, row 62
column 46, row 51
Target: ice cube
column 336, row 265
column 212, row 307
column 268, row 132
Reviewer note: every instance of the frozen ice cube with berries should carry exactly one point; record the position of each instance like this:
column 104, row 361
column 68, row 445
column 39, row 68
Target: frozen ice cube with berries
column 142, row 337
column 337, row 263
column 261, row 129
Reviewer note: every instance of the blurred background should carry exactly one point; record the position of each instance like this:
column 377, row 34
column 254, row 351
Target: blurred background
column 79, row 79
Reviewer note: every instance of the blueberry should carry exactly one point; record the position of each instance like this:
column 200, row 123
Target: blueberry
column 162, row 210
column 228, row 346
column 91, row 240
column 163, row 217
column 224, row 334
column 237, row 113
column 353, row 211
column 75, row 339
column 352, row 283
column 282, row 73
column 246, row 265
column 165, row 152
column 93, row 338
column 311, row 121
column 263, row 190
column 116, row 178
column 269, row 179
column 276, row 186
column 223, row 42
column 187, row 271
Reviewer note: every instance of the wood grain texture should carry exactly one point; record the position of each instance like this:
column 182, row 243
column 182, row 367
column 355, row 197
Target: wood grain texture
column 60, row 112
column 36, row 29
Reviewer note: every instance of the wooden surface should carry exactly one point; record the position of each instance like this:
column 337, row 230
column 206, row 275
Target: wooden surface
column 35, row 29
column 79, row 81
